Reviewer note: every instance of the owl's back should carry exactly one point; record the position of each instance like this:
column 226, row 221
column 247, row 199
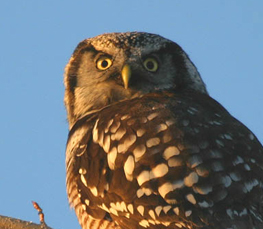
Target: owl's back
column 165, row 160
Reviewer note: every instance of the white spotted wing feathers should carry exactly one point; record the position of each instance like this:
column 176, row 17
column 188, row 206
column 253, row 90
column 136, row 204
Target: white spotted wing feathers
column 157, row 166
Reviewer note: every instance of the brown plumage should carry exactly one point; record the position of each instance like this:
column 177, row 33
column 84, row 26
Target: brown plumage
column 148, row 147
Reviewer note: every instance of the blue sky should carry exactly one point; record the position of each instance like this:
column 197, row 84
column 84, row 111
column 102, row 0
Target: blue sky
column 223, row 38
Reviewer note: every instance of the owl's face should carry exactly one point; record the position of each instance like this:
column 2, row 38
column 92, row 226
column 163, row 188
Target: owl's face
column 118, row 66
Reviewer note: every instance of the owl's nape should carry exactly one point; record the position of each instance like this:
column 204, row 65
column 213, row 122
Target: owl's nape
column 148, row 147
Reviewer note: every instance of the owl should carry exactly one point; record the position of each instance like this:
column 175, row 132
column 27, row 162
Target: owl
column 148, row 147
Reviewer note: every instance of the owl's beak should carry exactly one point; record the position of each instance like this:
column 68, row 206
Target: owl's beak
column 126, row 75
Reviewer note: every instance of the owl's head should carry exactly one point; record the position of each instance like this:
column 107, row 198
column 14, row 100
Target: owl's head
column 118, row 66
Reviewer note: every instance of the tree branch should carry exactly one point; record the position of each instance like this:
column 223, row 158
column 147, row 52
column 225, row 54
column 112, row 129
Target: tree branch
column 12, row 223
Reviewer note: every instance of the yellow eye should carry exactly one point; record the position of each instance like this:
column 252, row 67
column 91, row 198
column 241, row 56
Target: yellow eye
column 150, row 64
column 104, row 63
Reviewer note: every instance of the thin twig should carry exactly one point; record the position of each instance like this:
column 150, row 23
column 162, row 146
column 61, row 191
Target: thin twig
column 12, row 223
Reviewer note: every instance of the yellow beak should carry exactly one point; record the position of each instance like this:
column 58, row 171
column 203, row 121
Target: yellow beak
column 126, row 75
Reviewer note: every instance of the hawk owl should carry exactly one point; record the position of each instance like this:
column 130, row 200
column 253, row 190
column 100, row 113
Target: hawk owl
column 148, row 147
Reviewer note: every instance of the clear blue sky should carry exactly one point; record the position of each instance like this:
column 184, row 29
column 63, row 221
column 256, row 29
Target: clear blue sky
column 223, row 38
